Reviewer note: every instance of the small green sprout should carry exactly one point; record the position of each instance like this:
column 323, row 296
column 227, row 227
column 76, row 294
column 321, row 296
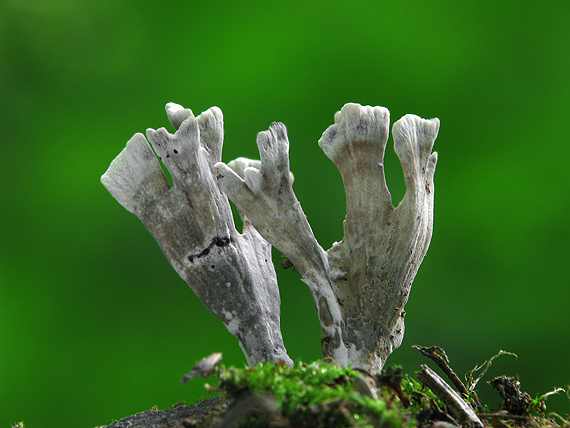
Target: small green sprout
column 538, row 405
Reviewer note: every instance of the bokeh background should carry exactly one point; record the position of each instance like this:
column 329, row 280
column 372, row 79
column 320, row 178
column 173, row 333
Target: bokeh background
column 94, row 323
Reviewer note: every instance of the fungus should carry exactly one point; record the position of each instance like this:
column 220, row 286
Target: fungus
column 375, row 264
column 360, row 286
column 192, row 222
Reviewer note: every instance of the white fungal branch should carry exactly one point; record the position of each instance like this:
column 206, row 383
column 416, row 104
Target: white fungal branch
column 360, row 285
column 383, row 246
column 192, row 222
column 265, row 196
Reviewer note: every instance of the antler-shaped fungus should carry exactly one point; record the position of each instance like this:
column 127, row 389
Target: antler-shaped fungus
column 192, row 222
column 360, row 285
column 383, row 246
column 266, row 197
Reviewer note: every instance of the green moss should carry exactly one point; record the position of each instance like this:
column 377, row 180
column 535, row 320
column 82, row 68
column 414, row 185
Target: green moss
column 322, row 394
column 319, row 394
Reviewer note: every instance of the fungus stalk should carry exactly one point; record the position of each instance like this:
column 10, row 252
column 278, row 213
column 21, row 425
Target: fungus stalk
column 360, row 286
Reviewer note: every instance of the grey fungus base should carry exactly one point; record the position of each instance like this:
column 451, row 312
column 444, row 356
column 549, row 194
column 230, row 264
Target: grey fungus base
column 360, row 286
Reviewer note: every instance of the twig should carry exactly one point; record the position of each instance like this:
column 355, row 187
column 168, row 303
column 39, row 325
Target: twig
column 455, row 404
column 442, row 362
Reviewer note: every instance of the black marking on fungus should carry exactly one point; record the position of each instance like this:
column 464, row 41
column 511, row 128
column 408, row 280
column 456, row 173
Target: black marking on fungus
column 217, row 241
column 221, row 242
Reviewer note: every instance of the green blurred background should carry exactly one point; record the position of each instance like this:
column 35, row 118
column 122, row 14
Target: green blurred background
column 94, row 323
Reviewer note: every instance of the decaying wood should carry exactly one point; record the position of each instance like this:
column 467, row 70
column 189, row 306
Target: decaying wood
column 443, row 363
column 516, row 402
column 178, row 417
column 456, row 406
column 203, row 368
